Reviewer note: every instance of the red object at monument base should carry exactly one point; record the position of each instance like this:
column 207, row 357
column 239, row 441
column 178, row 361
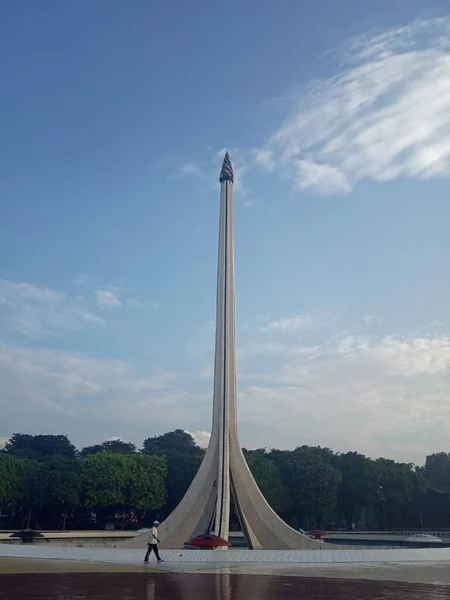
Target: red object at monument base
column 207, row 542
column 317, row 533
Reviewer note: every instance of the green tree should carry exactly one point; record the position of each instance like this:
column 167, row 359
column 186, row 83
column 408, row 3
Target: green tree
column 114, row 446
column 397, row 484
column 437, row 470
column 268, row 477
column 39, row 446
column 56, row 487
column 181, row 470
column 359, row 479
column 312, row 483
column 111, row 480
column 171, row 442
column 103, row 479
column 10, row 481
column 27, row 470
column 146, row 484
column 183, row 460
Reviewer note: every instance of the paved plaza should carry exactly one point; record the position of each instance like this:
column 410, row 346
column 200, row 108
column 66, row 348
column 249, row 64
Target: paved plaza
column 418, row 565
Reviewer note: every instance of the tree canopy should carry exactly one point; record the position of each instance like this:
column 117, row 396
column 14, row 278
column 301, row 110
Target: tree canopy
column 269, row 479
column 45, row 481
column 183, row 460
column 437, row 470
column 173, row 441
column 112, row 446
column 38, row 446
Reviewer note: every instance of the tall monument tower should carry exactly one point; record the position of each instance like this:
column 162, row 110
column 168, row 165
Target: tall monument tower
column 224, row 474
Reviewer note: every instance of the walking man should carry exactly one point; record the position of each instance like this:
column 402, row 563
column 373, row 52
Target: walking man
column 153, row 544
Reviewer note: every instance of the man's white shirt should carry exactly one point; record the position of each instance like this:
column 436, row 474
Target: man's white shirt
column 154, row 535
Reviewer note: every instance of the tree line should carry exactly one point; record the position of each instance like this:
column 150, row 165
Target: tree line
column 46, row 483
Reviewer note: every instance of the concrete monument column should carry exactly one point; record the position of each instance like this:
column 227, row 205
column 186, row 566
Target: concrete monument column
column 224, row 473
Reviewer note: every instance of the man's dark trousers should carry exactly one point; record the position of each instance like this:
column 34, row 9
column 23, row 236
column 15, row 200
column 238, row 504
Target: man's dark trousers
column 151, row 547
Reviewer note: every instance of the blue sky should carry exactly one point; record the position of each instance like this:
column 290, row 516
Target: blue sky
column 337, row 118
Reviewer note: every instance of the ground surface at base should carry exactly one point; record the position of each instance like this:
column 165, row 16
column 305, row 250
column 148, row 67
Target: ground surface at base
column 229, row 557
column 171, row 586
column 9, row 566
column 426, row 573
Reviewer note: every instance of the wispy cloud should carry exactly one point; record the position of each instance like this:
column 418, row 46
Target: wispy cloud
column 190, row 169
column 99, row 396
column 382, row 395
column 33, row 310
column 106, row 298
column 386, row 114
column 371, row 319
column 379, row 394
column 324, row 178
column 265, row 158
column 289, row 324
column 108, row 294
column 273, row 348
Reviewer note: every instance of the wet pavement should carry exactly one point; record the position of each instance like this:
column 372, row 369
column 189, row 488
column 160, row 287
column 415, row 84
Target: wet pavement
column 180, row 586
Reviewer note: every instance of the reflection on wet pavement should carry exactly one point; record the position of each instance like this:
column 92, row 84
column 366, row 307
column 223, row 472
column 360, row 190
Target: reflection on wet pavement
column 161, row 586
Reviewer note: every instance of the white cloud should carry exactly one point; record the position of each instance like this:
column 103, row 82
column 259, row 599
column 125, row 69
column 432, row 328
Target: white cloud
column 380, row 395
column 87, row 398
column 272, row 348
column 385, row 115
column 289, row 324
column 371, row 319
column 265, row 158
column 263, row 347
column 189, row 169
column 134, row 302
column 34, row 310
column 106, row 298
column 201, row 438
column 138, row 303
column 323, row 178
column 249, row 203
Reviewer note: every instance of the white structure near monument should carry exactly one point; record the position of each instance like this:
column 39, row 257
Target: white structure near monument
column 224, row 475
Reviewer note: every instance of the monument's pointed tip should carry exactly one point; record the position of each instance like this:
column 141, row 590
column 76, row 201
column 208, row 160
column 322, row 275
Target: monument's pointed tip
column 226, row 174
